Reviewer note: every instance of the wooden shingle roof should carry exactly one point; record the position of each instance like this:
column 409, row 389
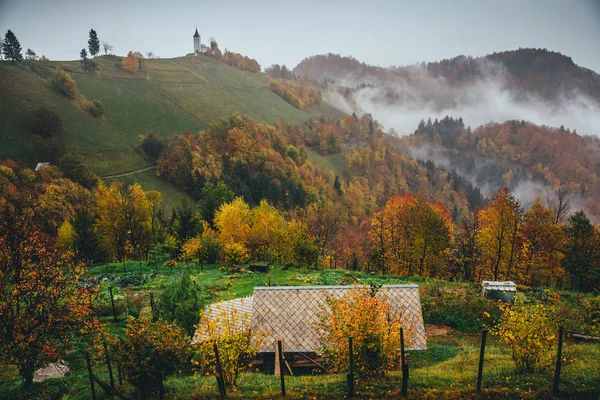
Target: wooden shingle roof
column 291, row 312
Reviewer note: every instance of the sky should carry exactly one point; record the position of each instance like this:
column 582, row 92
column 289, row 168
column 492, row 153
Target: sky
column 377, row 32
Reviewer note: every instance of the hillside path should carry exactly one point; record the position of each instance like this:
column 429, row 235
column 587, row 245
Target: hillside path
column 129, row 173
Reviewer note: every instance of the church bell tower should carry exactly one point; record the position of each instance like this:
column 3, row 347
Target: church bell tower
column 197, row 48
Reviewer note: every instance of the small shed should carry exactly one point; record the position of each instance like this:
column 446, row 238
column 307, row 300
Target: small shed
column 41, row 165
column 261, row 266
column 497, row 290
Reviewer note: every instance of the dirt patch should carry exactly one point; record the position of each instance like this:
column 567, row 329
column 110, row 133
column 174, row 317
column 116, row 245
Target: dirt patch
column 437, row 330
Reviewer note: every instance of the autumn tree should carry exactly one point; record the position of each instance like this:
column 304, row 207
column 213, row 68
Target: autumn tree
column 149, row 352
column 11, row 48
column 411, row 235
column 93, row 43
column 42, row 308
column 500, row 236
column 131, row 63
column 543, row 242
column 233, row 220
column 126, row 219
column 465, row 254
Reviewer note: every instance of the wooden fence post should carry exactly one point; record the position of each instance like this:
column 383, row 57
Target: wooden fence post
column 110, row 372
column 152, row 306
column 220, row 379
column 555, row 390
column 89, row 368
column 119, row 373
column 161, row 388
column 112, row 302
column 350, row 375
column 281, row 370
column 481, row 354
column 404, row 365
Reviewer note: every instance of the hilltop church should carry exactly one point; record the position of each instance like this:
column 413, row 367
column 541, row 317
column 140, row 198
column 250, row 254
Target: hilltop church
column 198, row 46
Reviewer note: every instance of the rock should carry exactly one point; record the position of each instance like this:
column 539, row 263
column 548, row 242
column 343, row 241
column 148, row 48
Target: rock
column 52, row 370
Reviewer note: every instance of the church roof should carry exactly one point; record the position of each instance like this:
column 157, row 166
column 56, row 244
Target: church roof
column 196, row 34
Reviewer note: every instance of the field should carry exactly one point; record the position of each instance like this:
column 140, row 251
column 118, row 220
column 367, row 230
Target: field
column 167, row 97
column 447, row 369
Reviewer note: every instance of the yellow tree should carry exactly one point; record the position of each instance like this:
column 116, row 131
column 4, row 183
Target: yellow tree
column 232, row 220
column 131, row 63
column 500, row 236
column 126, row 218
column 266, row 233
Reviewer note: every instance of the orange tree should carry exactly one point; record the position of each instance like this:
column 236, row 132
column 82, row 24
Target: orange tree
column 364, row 315
column 42, row 307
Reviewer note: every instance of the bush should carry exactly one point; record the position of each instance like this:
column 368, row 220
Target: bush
column 235, row 253
column 461, row 308
column 152, row 145
column 362, row 314
column 46, row 123
column 64, row 84
column 238, row 343
column 530, row 331
column 181, row 302
column 74, row 166
column 150, row 352
column 99, row 109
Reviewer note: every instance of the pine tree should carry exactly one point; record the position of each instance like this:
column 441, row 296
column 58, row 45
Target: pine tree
column 83, row 56
column 93, row 43
column 11, row 47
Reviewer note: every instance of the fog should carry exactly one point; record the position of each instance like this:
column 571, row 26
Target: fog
column 399, row 103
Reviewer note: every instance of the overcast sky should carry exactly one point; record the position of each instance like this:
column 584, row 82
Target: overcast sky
column 377, row 32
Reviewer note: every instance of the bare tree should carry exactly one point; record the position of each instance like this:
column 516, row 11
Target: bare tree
column 561, row 206
column 150, row 54
column 107, row 47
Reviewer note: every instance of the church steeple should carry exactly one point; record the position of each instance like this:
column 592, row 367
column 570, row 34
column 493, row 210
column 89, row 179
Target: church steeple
column 197, row 42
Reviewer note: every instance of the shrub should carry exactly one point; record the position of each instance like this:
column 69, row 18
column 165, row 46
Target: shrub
column 237, row 342
column 64, row 84
column 460, row 308
column 181, row 302
column 74, row 166
column 149, row 352
column 530, row 331
column 131, row 63
column 235, row 253
column 46, row 123
column 152, row 145
column 98, row 108
column 362, row 314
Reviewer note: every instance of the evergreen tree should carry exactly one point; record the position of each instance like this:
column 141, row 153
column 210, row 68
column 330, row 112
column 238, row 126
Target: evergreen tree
column 83, row 56
column 93, row 43
column 11, row 48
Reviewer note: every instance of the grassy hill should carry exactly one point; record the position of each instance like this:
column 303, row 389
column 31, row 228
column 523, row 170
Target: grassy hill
column 167, row 96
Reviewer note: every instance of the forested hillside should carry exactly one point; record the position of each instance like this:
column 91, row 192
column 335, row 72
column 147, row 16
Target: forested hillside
column 539, row 72
column 103, row 108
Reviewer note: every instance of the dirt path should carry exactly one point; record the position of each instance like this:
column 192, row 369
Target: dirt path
column 129, row 173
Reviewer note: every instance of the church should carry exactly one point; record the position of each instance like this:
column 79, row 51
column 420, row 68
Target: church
column 198, row 46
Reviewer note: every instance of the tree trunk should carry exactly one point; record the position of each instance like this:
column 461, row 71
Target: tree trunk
column 27, row 373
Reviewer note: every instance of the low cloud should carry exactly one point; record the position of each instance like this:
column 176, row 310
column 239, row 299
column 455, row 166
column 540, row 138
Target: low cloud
column 399, row 103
